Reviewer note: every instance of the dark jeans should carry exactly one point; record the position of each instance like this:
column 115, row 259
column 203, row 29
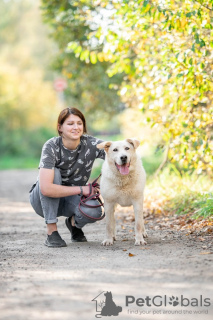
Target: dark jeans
column 51, row 208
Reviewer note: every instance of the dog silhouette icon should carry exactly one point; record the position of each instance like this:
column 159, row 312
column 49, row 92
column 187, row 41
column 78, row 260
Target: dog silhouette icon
column 110, row 308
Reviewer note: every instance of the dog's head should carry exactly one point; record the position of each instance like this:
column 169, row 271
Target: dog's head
column 108, row 294
column 120, row 153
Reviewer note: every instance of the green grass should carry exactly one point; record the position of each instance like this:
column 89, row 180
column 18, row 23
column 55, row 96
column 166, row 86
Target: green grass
column 8, row 162
column 190, row 194
column 199, row 204
column 205, row 205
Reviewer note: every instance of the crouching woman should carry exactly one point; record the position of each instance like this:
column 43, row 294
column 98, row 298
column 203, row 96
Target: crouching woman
column 65, row 166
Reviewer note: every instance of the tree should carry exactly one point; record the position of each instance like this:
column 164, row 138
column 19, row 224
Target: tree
column 27, row 98
column 163, row 52
column 88, row 83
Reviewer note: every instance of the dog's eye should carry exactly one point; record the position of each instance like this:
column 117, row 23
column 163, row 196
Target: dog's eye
column 126, row 148
column 115, row 149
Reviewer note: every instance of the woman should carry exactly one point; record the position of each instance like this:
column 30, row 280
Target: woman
column 65, row 167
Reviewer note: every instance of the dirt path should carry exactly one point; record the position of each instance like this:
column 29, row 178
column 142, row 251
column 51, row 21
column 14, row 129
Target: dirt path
column 37, row 282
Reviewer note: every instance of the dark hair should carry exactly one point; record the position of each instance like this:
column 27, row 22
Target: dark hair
column 64, row 114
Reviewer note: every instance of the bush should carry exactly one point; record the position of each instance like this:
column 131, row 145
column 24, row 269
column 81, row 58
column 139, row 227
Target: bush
column 24, row 143
column 205, row 206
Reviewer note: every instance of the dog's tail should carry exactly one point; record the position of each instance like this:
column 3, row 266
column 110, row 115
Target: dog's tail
column 119, row 309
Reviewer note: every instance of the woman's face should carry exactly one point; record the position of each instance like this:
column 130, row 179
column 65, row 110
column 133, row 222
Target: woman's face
column 72, row 128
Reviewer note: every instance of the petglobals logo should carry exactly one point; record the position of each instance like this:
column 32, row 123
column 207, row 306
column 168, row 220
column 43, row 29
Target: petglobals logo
column 164, row 301
column 105, row 305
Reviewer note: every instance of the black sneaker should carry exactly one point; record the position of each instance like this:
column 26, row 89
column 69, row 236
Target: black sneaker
column 55, row 240
column 77, row 234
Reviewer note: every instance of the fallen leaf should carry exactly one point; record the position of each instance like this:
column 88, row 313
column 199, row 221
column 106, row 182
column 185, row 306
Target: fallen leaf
column 208, row 230
column 131, row 255
column 189, row 221
column 124, row 249
column 201, row 239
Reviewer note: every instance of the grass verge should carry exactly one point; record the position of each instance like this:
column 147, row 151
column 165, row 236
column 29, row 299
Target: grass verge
column 8, row 162
column 172, row 194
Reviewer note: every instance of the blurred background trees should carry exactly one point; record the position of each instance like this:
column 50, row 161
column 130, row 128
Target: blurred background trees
column 159, row 57
column 27, row 100
column 142, row 68
column 29, row 63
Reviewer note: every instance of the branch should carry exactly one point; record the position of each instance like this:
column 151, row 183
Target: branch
column 204, row 5
column 163, row 162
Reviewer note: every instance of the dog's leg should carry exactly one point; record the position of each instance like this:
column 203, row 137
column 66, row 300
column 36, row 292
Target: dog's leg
column 110, row 224
column 140, row 231
column 114, row 226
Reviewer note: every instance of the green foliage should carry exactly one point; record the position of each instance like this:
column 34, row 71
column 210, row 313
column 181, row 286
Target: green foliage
column 163, row 52
column 152, row 162
column 23, row 162
column 88, row 83
column 21, row 148
column 197, row 203
column 28, row 104
column 186, row 194
column 95, row 172
column 184, row 203
column 205, row 206
column 24, row 142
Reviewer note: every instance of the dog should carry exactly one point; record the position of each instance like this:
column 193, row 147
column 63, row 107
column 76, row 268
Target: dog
column 122, row 181
column 110, row 308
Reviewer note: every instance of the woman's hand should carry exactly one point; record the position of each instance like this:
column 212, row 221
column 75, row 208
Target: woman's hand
column 49, row 189
column 86, row 190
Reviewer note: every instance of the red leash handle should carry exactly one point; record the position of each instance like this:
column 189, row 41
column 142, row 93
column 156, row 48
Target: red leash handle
column 84, row 199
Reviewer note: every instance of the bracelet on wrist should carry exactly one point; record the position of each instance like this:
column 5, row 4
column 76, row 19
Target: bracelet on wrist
column 81, row 193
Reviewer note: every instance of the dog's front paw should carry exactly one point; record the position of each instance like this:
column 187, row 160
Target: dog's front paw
column 145, row 234
column 107, row 242
column 140, row 242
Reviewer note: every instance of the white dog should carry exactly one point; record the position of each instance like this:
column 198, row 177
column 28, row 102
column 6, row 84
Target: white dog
column 122, row 181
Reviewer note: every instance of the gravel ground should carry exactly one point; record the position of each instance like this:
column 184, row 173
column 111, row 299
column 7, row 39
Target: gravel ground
column 37, row 282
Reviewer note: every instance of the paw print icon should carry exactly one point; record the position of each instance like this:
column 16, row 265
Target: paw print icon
column 173, row 301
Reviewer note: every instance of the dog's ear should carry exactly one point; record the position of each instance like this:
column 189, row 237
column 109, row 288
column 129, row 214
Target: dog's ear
column 104, row 145
column 134, row 142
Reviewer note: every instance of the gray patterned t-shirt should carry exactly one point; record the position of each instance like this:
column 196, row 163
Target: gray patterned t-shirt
column 75, row 165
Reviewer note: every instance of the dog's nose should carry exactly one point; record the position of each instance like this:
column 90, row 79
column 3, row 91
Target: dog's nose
column 123, row 159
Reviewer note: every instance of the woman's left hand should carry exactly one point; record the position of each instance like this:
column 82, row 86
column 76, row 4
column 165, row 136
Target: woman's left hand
column 95, row 190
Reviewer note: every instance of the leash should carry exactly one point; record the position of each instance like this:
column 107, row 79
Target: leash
column 85, row 199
